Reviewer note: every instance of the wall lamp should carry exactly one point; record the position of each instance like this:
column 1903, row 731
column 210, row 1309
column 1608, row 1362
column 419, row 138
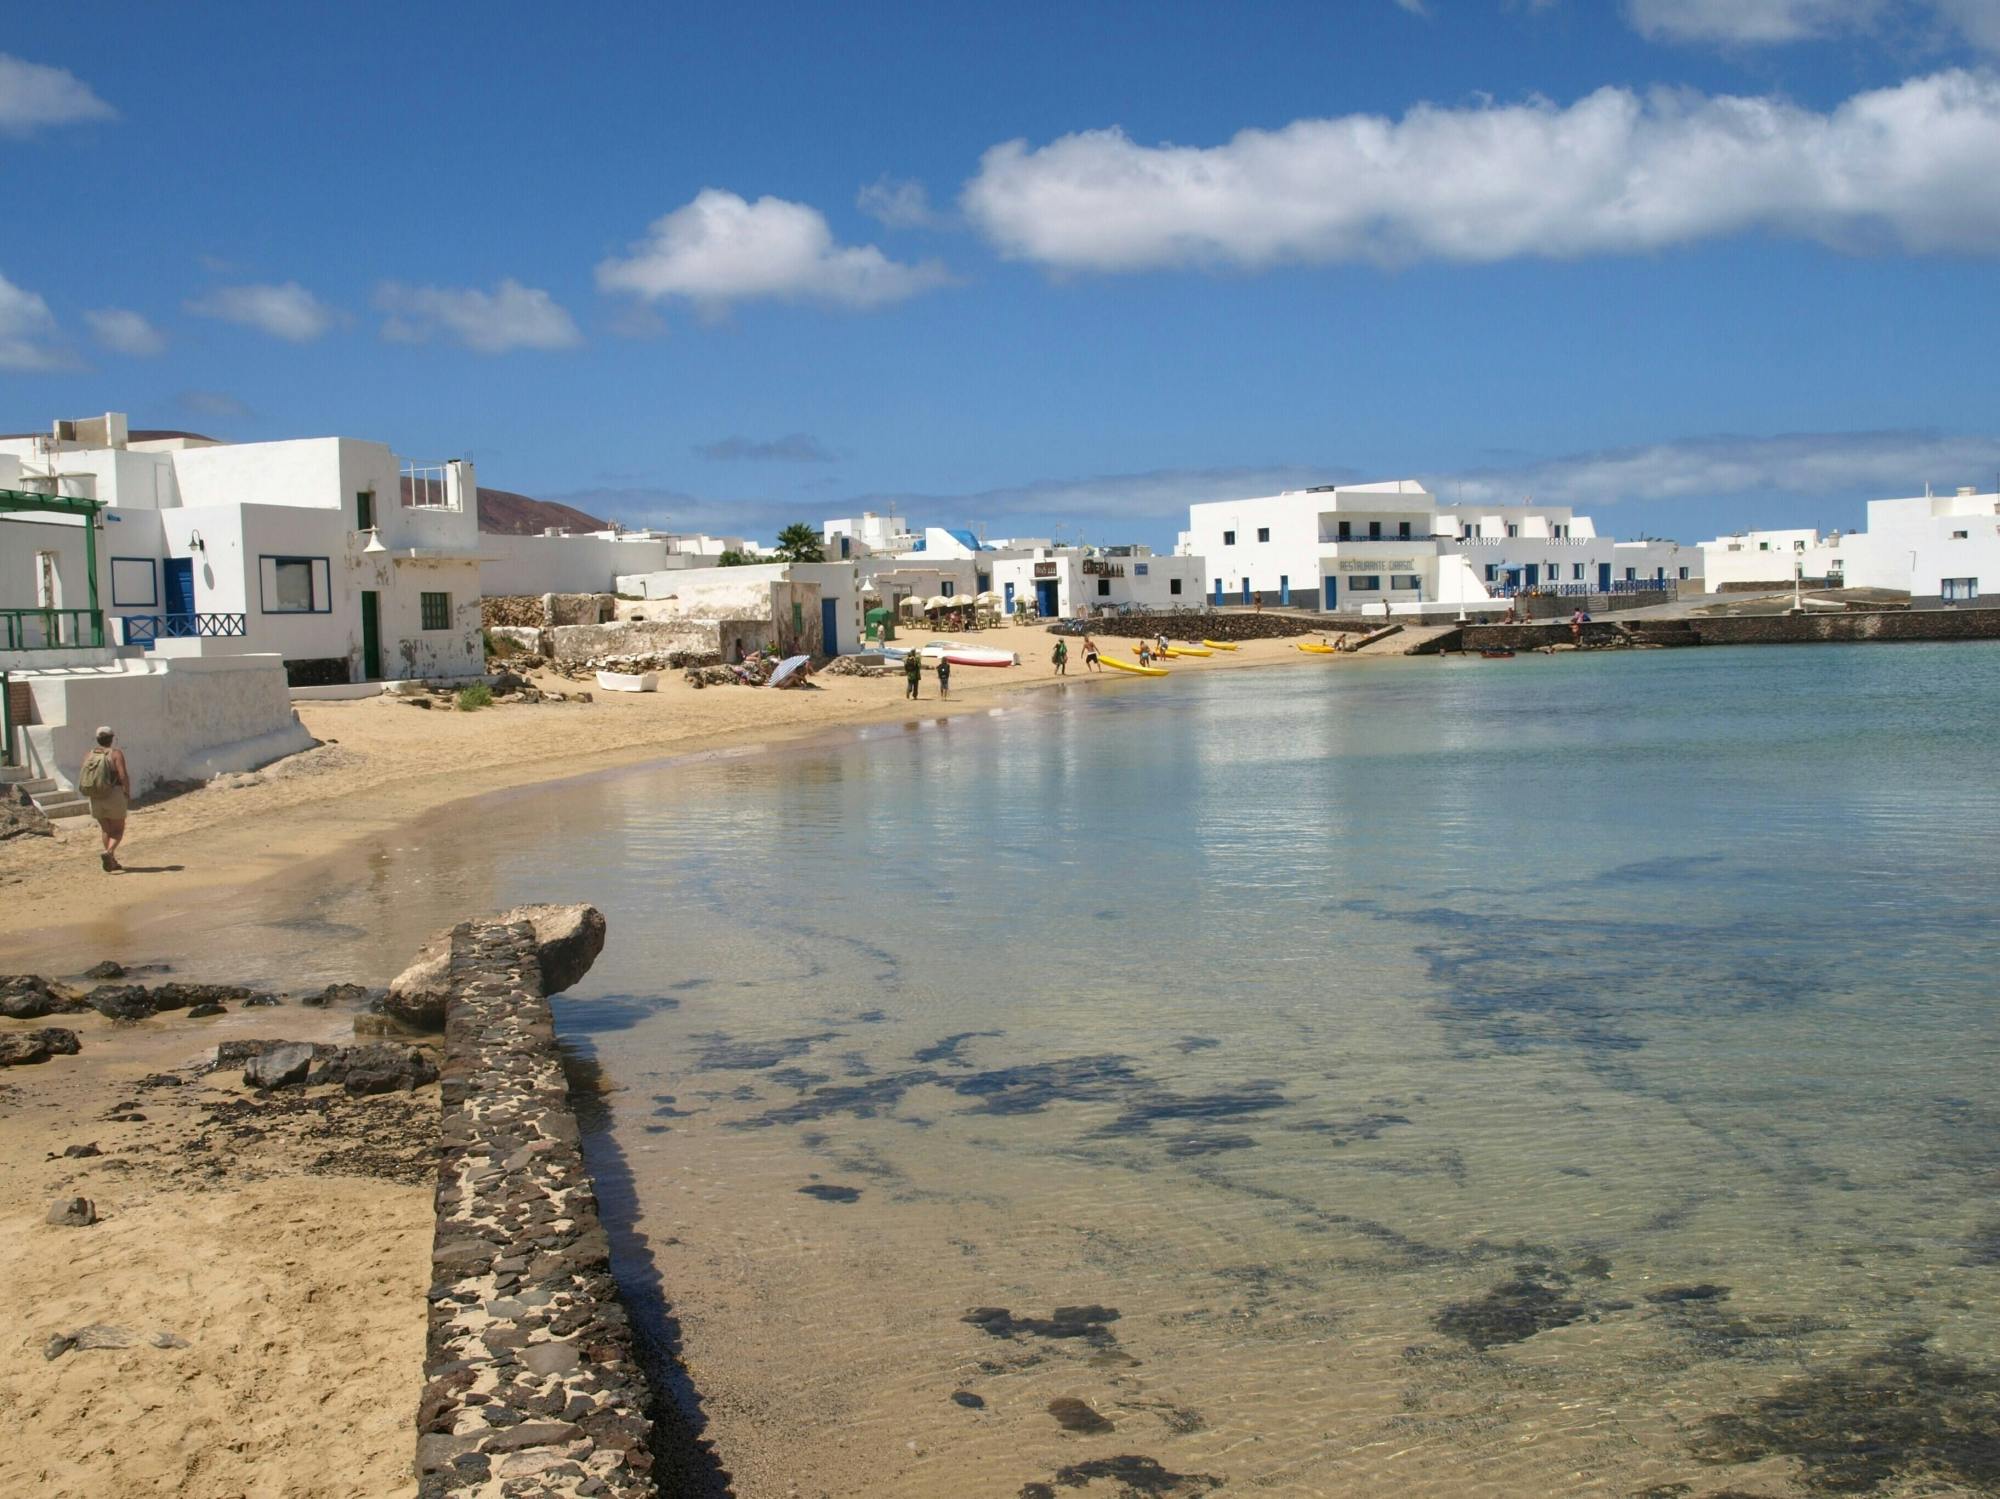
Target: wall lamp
column 195, row 543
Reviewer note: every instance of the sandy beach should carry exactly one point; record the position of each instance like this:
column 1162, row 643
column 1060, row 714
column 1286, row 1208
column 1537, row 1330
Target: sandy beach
column 259, row 1265
column 285, row 1240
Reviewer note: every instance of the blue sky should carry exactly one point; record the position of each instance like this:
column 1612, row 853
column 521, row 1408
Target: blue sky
column 1689, row 264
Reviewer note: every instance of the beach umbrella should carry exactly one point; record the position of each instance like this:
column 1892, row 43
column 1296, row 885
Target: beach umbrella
column 786, row 667
column 910, row 602
column 941, row 602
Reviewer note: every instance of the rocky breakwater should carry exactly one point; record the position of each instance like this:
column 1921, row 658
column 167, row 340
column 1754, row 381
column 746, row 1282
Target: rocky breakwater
column 533, row 1385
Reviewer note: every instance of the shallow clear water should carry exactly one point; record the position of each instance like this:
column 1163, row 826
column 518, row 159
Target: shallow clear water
column 1550, row 1076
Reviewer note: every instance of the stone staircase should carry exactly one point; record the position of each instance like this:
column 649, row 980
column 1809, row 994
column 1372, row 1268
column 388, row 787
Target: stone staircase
column 51, row 798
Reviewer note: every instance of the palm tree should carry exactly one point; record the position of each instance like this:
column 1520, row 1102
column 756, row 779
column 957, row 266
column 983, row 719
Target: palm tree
column 799, row 542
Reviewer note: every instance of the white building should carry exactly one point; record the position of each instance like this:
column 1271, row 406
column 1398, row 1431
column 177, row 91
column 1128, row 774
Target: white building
column 860, row 535
column 1753, row 559
column 1937, row 548
column 590, row 561
column 347, row 563
column 1390, row 547
column 814, row 607
column 1063, row 582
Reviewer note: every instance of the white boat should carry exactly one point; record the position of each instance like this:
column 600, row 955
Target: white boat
column 629, row 681
column 956, row 654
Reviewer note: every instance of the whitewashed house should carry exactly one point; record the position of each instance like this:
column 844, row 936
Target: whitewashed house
column 1391, row 548
column 1940, row 549
column 181, row 589
column 1063, row 582
column 592, row 561
column 347, row 563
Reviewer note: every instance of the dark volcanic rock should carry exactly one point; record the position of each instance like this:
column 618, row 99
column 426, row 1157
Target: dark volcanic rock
column 384, row 1067
column 26, row 996
column 1076, row 1415
column 24, row 1048
column 105, row 970
column 282, row 1066
column 202, row 1012
column 122, row 1002
column 826, row 1192
column 1086, row 1322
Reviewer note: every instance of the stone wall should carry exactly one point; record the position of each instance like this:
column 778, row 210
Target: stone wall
column 543, row 609
column 1755, row 629
column 533, row 1386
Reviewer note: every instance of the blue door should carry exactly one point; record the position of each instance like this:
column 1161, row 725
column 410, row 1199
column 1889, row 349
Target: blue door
column 1045, row 598
column 1010, row 600
column 1534, row 574
column 1284, row 589
column 1218, row 593
column 828, row 637
column 1332, row 594
column 177, row 581
column 1246, row 590
column 1604, row 577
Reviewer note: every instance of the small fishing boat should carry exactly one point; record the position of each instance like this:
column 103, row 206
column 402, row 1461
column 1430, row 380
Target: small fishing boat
column 1132, row 666
column 1496, row 653
column 956, row 654
column 629, row 681
column 1221, row 645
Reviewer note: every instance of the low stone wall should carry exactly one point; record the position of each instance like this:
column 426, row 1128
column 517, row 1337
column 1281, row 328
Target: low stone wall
column 575, row 645
column 533, row 1386
column 1830, row 627
column 537, row 610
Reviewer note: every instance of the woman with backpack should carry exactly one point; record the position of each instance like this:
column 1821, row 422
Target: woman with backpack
column 108, row 784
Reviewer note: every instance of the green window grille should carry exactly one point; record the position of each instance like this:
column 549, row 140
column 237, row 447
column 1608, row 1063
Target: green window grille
column 437, row 611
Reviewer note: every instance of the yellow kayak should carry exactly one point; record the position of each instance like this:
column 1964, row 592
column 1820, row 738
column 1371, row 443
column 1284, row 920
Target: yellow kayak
column 1318, row 649
column 1187, row 650
column 1220, row 645
column 1132, row 666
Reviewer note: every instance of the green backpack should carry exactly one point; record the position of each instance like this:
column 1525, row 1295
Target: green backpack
column 99, row 774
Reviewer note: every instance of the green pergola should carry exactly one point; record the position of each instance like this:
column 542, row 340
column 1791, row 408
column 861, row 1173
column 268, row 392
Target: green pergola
column 13, row 621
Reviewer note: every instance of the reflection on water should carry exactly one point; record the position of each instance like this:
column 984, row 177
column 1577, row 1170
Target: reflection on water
column 1558, row 1076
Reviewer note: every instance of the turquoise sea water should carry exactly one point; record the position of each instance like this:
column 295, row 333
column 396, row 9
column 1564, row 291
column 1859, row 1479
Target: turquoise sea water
column 1558, row 1076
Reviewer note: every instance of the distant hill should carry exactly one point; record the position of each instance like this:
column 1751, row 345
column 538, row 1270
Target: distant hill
column 504, row 513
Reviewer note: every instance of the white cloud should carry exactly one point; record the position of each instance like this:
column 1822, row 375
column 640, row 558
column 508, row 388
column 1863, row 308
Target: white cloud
column 1834, row 465
column 721, row 249
column 795, row 447
column 1614, row 173
column 511, row 316
column 289, row 311
column 1414, row 7
column 28, row 332
column 898, row 203
column 1773, row 22
column 33, row 95
column 125, row 332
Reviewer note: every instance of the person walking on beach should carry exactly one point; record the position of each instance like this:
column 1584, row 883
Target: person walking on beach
column 913, row 670
column 1061, row 658
column 944, row 676
column 108, row 783
column 1090, row 655
column 1576, row 622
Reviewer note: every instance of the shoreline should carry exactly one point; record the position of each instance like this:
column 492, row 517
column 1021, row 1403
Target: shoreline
column 195, row 847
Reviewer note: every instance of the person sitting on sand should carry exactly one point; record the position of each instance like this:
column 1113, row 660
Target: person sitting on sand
column 106, row 781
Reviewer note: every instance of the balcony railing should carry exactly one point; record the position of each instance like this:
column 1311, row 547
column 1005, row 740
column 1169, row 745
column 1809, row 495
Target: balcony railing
column 1582, row 590
column 50, row 629
column 143, row 629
